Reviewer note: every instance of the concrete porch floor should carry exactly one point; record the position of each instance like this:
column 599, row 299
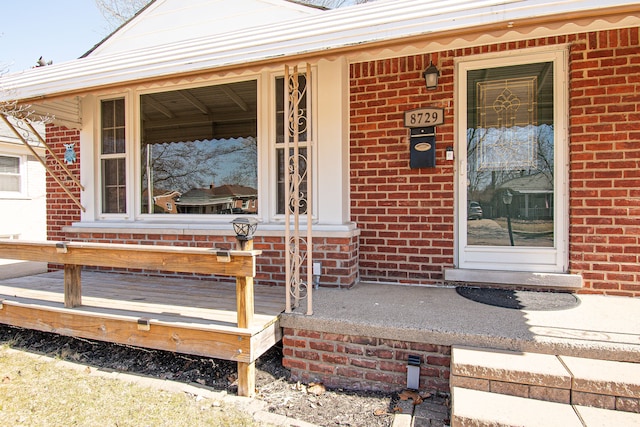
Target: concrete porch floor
column 602, row 327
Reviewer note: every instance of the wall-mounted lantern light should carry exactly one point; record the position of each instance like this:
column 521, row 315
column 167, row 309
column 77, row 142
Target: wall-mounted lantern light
column 431, row 75
column 245, row 228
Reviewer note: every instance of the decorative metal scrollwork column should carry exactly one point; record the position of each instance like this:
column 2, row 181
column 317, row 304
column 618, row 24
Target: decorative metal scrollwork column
column 298, row 187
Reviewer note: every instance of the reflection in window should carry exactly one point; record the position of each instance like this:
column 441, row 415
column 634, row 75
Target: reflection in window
column 510, row 156
column 199, row 150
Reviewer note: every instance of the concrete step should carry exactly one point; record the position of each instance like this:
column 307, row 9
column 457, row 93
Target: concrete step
column 569, row 380
column 483, row 409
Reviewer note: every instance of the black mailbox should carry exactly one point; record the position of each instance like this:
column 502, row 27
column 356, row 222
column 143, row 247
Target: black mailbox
column 423, row 147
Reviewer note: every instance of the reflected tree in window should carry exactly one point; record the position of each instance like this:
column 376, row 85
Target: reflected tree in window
column 199, row 152
column 510, row 150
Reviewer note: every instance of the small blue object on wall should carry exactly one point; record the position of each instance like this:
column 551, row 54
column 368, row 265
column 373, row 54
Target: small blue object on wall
column 69, row 153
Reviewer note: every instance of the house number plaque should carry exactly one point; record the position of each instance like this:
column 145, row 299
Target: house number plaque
column 424, row 117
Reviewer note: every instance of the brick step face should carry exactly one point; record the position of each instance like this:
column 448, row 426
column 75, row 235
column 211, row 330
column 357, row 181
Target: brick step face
column 560, row 379
column 481, row 408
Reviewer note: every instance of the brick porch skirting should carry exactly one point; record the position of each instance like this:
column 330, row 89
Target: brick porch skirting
column 355, row 362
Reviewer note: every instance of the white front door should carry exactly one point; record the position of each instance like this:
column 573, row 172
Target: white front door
column 512, row 154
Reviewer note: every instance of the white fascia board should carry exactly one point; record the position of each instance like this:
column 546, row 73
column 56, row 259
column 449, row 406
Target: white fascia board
column 383, row 21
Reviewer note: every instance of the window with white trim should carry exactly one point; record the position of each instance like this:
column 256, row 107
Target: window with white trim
column 196, row 150
column 10, row 178
column 199, row 150
column 113, row 156
column 304, row 139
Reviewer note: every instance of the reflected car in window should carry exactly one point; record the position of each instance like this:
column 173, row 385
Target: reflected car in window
column 474, row 211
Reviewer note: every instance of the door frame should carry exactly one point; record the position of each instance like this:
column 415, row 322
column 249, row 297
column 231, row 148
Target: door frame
column 503, row 258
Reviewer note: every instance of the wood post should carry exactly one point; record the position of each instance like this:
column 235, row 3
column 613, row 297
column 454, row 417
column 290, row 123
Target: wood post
column 72, row 286
column 244, row 301
column 246, row 379
column 245, row 309
column 244, row 291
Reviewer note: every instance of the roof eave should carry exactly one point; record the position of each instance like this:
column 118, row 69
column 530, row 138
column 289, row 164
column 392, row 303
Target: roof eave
column 522, row 26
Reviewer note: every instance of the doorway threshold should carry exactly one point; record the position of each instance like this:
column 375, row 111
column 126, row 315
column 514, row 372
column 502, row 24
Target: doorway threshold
column 516, row 278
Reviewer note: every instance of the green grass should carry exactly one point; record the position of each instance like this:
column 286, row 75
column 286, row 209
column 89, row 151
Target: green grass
column 37, row 392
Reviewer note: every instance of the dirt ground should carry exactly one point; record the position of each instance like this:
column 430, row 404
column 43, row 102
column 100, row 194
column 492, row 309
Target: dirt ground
column 311, row 404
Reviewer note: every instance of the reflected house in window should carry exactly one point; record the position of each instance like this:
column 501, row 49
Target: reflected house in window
column 166, row 202
column 225, row 199
column 532, row 196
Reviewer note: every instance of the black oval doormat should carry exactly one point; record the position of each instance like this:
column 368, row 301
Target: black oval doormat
column 523, row 300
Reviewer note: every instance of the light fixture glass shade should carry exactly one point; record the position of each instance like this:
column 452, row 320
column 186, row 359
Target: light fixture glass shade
column 245, row 228
column 431, row 75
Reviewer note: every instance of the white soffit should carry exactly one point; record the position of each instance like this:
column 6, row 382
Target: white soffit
column 349, row 27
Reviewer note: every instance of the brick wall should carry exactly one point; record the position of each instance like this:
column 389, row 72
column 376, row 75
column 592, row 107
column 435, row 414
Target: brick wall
column 362, row 363
column 61, row 210
column 605, row 160
column 406, row 216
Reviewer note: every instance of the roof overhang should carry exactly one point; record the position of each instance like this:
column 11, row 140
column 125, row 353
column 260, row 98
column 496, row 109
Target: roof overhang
column 374, row 29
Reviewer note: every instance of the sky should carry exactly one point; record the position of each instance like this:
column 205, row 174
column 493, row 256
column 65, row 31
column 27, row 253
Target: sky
column 57, row 30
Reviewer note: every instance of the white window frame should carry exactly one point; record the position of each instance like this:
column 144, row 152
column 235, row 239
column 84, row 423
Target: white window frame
column 22, row 177
column 126, row 155
column 330, row 159
column 311, row 145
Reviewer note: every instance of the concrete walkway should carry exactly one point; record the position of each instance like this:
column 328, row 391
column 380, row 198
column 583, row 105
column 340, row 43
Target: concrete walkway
column 601, row 327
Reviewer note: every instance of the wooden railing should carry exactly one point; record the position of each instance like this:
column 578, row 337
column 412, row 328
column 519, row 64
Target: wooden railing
column 240, row 264
column 75, row 255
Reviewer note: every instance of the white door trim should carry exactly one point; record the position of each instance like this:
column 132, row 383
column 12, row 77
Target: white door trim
column 538, row 259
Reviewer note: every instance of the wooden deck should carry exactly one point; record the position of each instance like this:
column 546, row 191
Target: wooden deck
column 182, row 315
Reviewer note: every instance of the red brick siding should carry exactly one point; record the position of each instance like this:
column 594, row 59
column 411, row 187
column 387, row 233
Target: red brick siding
column 605, row 160
column 61, row 209
column 362, row 363
column 406, row 216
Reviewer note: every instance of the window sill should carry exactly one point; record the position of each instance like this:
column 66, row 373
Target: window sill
column 209, row 229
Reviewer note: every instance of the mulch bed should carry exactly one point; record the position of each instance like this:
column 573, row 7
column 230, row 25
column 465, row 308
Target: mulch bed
column 314, row 405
